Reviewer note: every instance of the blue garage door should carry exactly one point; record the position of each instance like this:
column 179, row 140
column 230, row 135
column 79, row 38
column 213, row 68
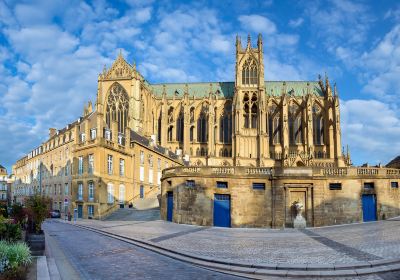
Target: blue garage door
column 222, row 210
column 369, row 207
column 170, row 205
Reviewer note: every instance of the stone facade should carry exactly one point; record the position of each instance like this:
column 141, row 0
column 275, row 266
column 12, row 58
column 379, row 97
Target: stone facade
column 115, row 152
column 3, row 185
column 285, row 149
column 330, row 196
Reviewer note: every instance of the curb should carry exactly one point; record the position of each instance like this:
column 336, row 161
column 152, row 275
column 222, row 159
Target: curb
column 42, row 270
column 260, row 271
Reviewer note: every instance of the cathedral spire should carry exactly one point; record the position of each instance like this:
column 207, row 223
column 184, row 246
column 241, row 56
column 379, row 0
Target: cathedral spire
column 238, row 43
column 248, row 41
column 259, row 41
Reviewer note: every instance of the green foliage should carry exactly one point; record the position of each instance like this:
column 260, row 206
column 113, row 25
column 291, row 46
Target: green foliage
column 3, row 211
column 9, row 231
column 38, row 208
column 18, row 213
column 14, row 258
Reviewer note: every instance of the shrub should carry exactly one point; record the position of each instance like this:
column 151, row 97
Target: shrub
column 18, row 213
column 38, row 208
column 9, row 231
column 14, row 259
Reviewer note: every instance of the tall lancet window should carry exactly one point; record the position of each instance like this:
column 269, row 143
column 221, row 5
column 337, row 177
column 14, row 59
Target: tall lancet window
column 180, row 127
column 225, row 135
column 250, row 111
column 202, row 129
column 249, row 72
column 117, row 107
column 318, row 125
column 295, row 125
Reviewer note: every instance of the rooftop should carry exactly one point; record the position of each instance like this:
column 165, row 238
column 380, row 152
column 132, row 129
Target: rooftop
column 226, row 89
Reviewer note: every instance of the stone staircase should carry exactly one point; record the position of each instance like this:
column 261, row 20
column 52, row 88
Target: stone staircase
column 131, row 214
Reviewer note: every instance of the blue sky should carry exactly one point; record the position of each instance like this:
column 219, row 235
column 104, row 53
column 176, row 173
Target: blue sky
column 52, row 51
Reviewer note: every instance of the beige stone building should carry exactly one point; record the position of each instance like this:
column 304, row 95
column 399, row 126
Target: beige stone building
column 3, row 185
column 250, row 128
column 258, row 148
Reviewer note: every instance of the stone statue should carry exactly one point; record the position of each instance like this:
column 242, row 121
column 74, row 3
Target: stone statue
column 299, row 221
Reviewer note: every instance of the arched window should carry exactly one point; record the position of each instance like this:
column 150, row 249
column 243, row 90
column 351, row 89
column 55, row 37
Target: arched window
column 298, row 130
column 275, row 129
column 318, row 125
column 249, row 72
column 180, row 127
column 318, row 130
column 246, row 116
column 191, row 135
column 170, row 115
column 121, row 194
column 254, row 114
column 225, row 135
column 192, row 115
column 250, row 111
column 110, row 193
column 295, row 129
column 202, row 135
column 159, row 131
column 170, row 129
column 117, row 107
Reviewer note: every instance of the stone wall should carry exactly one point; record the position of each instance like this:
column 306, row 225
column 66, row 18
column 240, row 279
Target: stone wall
column 273, row 206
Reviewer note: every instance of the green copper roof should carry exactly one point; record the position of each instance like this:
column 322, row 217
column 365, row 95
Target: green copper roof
column 226, row 89
column 275, row 88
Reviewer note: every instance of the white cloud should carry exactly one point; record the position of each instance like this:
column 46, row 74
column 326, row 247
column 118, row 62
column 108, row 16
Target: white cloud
column 372, row 129
column 258, row 24
column 36, row 42
column 339, row 22
column 294, row 23
column 381, row 68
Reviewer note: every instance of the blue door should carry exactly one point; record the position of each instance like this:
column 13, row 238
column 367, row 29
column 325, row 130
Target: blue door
column 222, row 210
column 170, row 205
column 369, row 207
column 80, row 211
column 141, row 192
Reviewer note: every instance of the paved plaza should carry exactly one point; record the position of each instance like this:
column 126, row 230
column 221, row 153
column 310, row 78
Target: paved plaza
column 355, row 243
column 96, row 256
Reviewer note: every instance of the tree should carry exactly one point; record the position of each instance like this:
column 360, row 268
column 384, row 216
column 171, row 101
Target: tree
column 38, row 208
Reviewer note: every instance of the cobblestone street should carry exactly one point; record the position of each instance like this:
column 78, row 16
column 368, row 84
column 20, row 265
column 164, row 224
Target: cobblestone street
column 99, row 257
column 328, row 245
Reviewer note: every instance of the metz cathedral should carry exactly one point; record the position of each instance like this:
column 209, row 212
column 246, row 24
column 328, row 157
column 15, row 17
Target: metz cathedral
column 192, row 147
column 248, row 122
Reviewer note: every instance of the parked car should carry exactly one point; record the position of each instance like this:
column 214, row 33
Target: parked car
column 55, row 214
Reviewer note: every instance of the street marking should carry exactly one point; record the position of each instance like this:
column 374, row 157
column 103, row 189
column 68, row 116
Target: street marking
column 340, row 247
column 177, row 234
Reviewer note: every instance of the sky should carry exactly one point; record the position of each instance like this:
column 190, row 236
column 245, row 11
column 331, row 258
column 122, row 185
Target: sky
column 52, row 51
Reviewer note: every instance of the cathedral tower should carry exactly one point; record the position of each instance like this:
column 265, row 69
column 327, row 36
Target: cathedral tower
column 250, row 143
